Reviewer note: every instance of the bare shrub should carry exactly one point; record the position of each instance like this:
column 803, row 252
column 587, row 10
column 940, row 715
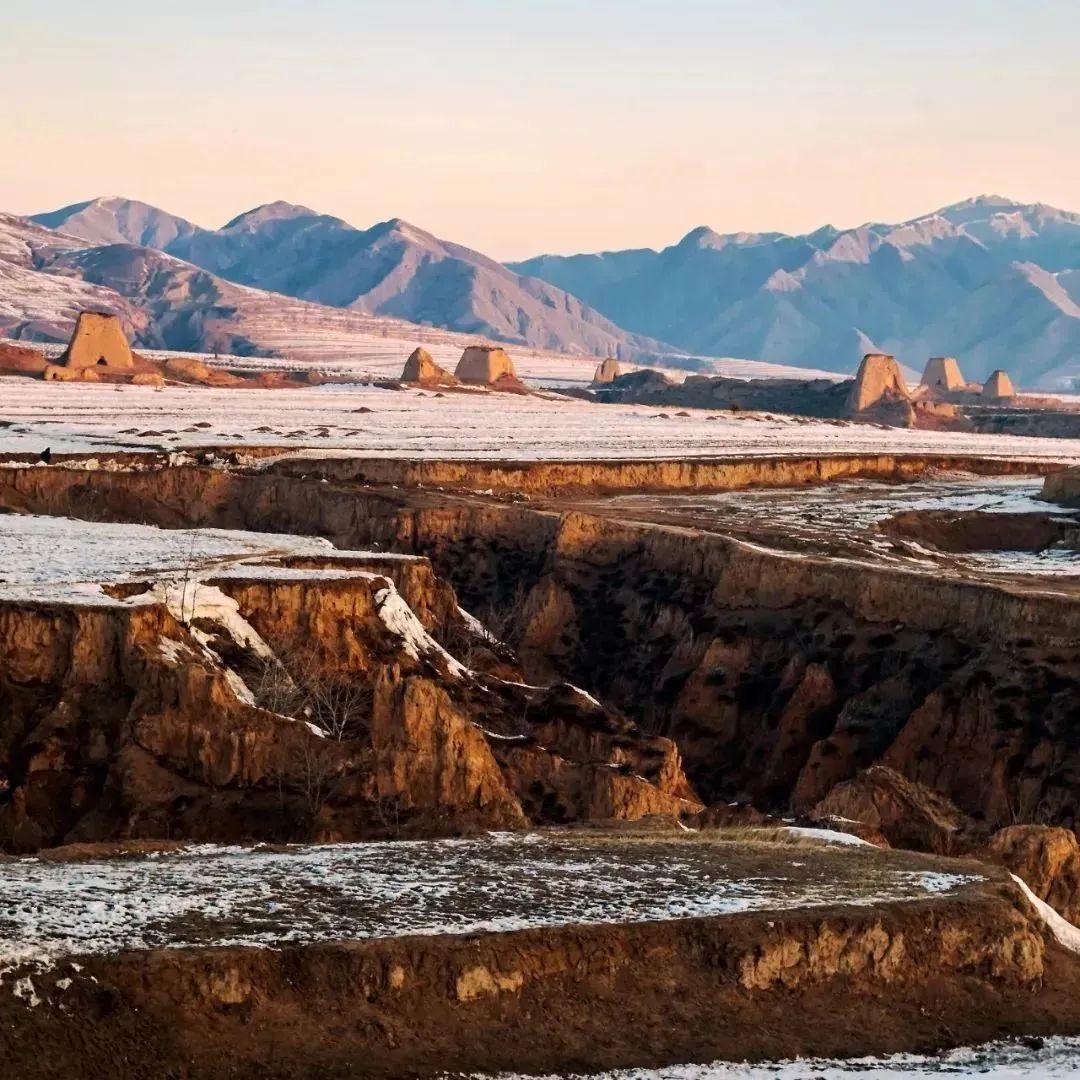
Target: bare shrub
column 295, row 684
column 502, row 623
column 504, row 620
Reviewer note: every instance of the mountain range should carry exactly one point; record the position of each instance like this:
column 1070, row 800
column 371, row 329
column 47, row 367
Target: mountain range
column 392, row 269
column 989, row 280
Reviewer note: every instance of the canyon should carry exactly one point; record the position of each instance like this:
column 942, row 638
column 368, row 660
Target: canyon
column 660, row 665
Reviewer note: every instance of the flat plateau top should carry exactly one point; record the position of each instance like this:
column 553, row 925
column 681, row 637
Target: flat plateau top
column 263, row 896
column 1055, row 1058
column 848, row 519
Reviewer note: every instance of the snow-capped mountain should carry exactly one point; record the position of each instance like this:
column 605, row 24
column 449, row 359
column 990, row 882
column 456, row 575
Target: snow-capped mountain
column 989, row 280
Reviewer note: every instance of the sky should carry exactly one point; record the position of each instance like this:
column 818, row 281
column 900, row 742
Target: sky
column 525, row 126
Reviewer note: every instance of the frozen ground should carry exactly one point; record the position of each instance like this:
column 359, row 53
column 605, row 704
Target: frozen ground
column 86, row 418
column 56, row 557
column 1033, row 1059
column 843, row 516
column 264, row 897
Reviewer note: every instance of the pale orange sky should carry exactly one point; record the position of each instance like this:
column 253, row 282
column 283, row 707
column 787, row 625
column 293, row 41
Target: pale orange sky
column 524, row 126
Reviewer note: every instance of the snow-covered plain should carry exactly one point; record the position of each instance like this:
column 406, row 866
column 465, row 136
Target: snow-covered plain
column 1034, row 1059
column 62, row 558
column 88, row 418
column 214, row 896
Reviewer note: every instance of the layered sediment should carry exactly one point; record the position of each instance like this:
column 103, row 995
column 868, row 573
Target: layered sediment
column 292, row 703
column 574, row 998
column 777, row 676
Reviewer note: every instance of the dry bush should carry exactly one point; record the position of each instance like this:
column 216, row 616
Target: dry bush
column 502, row 623
column 295, row 684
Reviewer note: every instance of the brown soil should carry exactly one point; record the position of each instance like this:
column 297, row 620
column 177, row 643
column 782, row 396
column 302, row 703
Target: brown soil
column 959, row 531
column 778, row 677
column 836, row 982
column 560, row 479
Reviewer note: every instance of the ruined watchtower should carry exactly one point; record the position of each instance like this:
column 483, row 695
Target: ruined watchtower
column 484, row 365
column 998, row 386
column 879, row 381
column 607, row 371
column 942, row 373
column 98, row 342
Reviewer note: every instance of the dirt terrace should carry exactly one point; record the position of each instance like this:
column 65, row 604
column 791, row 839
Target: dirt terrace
column 52, row 908
column 870, row 975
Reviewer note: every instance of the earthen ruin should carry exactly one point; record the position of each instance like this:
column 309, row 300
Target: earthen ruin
column 879, row 380
column 98, row 341
column 999, row 386
column 942, row 373
column 607, row 371
column 421, row 368
column 484, row 365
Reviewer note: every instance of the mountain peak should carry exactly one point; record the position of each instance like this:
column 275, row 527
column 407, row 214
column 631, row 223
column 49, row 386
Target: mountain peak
column 271, row 211
column 402, row 228
column 705, row 238
column 114, row 219
column 977, row 208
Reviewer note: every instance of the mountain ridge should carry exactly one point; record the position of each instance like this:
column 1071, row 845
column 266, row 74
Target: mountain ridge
column 393, row 268
column 803, row 299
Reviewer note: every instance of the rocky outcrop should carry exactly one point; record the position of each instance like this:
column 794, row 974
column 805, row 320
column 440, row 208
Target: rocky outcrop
column 189, row 369
column 431, row 758
column 118, row 722
column 974, row 530
column 420, row 368
column 1047, row 859
column 558, row 1000
column 909, row 815
column 880, row 386
column 778, row 677
column 98, row 341
column 57, row 373
column 21, row 359
column 1062, row 486
column 607, row 371
column 560, row 478
column 484, row 365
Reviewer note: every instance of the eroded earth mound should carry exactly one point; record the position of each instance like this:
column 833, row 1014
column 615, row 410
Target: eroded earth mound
column 312, row 699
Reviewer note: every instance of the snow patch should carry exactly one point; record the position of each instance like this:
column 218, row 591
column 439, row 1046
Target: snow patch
column 401, row 620
column 829, row 836
column 1064, row 932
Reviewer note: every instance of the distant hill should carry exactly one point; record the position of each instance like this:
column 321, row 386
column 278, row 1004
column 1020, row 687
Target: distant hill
column 47, row 278
column 393, row 269
column 992, row 281
column 118, row 221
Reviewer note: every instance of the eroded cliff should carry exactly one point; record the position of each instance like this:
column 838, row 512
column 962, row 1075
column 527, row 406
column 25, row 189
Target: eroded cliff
column 290, row 702
column 776, row 675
